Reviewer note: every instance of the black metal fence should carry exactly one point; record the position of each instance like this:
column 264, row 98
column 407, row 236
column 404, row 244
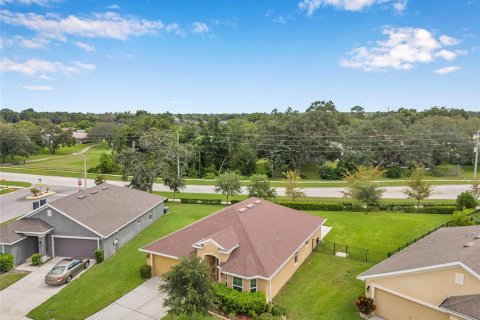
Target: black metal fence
column 349, row 252
column 446, row 224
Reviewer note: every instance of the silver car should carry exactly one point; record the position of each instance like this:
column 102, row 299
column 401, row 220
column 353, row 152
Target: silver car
column 65, row 270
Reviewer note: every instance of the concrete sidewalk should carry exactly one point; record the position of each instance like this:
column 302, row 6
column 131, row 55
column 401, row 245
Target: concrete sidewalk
column 143, row 303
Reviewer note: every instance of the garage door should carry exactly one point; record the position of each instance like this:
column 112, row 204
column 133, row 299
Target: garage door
column 68, row 247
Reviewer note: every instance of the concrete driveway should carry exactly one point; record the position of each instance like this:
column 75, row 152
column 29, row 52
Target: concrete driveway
column 143, row 303
column 17, row 300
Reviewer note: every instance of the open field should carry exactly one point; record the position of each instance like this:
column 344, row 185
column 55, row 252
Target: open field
column 45, row 153
column 389, row 231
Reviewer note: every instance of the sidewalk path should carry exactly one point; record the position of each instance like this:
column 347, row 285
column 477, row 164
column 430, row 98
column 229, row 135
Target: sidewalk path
column 143, row 303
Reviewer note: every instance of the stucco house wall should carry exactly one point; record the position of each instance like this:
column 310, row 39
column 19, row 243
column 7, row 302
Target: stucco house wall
column 22, row 250
column 131, row 230
column 430, row 287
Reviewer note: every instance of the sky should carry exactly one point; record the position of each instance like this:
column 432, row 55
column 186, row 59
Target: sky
column 212, row 56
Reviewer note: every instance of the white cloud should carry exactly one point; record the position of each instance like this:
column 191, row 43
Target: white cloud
column 43, row 3
column 448, row 41
column 403, row 49
column 310, row 6
column 283, row 19
column 114, row 7
column 400, row 6
column 84, row 46
column 100, row 25
column 200, row 27
column 446, row 70
column 41, row 68
column 175, row 28
column 34, row 43
column 38, row 88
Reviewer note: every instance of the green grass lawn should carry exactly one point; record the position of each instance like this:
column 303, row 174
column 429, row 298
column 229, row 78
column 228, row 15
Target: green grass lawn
column 7, row 190
column 108, row 281
column 45, row 153
column 15, row 183
column 10, row 278
column 324, row 287
column 380, row 231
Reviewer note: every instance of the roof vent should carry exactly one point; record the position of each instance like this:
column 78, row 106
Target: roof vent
column 104, row 188
column 258, row 201
column 82, row 196
column 468, row 244
column 242, row 210
column 251, row 205
column 477, row 237
column 93, row 192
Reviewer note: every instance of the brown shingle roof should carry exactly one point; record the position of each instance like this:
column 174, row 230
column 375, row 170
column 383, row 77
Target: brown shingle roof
column 468, row 305
column 226, row 238
column 446, row 245
column 268, row 234
column 106, row 208
column 12, row 232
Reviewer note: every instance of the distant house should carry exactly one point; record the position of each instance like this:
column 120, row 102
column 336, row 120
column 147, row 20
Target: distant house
column 254, row 245
column 80, row 136
column 436, row 278
column 105, row 216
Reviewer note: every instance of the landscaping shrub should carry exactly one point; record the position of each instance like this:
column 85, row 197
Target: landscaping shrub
column 99, row 255
column 463, row 218
column 262, row 166
column 324, row 206
column 466, row 200
column 436, row 210
column 329, row 173
column 34, row 191
column 235, row 201
column 36, row 259
column 6, row 262
column 146, row 271
column 278, row 310
column 365, row 305
column 394, row 172
column 447, row 170
column 201, row 201
column 231, row 300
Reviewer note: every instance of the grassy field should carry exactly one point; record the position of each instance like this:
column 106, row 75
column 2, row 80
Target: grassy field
column 324, row 287
column 45, row 153
column 108, row 281
column 120, row 274
column 10, row 278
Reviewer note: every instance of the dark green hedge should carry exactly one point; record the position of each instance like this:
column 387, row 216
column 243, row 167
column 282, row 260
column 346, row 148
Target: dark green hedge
column 201, row 201
column 324, row 206
column 230, row 300
column 6, row 262
column 437, row 209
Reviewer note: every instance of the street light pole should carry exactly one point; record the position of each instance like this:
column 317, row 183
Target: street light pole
column 84, row 166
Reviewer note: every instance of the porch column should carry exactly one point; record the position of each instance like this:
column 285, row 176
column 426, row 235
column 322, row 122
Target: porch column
column 42, row 246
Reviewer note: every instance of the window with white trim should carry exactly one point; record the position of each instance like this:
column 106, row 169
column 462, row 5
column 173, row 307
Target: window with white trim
column 296, row 257
column 253, row 285
column 49, row 213
column 459, row 278
column 237, row 284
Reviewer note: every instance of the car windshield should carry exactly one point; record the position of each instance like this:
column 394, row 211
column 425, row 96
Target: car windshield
column 57, row 269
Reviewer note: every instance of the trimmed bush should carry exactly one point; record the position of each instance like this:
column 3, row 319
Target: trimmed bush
column 365, row 305
column 394, row 172
column 34, row 191
column 279, row 310
column 36, row 259
column 324, row 206
column 436, row 210
column 146, row 271
column 6, row 262
column 466, row 200
column 329, row 173
column 99, row 255
column 201, row 201
column 230, row 300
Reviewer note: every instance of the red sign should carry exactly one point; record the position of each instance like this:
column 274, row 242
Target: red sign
column 79, row 182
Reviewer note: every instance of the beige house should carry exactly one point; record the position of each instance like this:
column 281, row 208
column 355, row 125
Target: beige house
column 254, row 245
column 436, row 278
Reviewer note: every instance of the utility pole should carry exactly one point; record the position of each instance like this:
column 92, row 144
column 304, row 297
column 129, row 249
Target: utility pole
column 477, row 142
column 85, row 169
column 178, row 155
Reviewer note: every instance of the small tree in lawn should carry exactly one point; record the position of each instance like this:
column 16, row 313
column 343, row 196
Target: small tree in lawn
column 361, row 186
column 174, row 183
column 260, row 187
column 189, row 287
column 417, row 188
column 228, row 184
column 466, row 200
column 291, row 183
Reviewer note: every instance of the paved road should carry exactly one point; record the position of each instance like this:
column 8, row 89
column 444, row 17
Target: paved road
column 14, row 204
column 441, row 191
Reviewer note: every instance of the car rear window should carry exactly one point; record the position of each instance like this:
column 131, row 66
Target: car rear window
column 57, row 269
